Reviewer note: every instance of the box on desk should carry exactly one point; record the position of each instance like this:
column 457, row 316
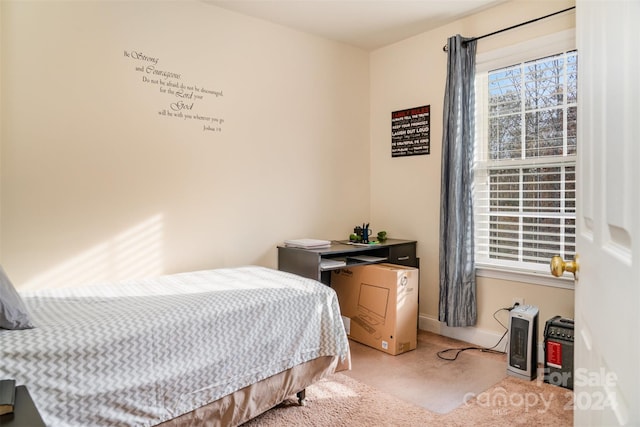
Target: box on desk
column 381, row 303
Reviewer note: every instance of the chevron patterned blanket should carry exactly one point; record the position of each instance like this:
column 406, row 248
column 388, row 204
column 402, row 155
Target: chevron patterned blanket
column 137, row 353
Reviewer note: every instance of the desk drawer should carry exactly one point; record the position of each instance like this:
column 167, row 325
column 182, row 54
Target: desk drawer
column 404, row 254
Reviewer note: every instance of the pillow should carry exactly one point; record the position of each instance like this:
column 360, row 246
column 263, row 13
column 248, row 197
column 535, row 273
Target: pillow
column 13, row 313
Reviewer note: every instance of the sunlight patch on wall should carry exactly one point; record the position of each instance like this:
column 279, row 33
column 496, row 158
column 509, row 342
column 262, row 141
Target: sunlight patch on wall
column 134, row 253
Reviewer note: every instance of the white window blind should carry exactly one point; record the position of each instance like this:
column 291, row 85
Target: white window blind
column 526, row 143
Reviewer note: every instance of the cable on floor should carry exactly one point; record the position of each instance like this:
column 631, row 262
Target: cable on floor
column 441, row 354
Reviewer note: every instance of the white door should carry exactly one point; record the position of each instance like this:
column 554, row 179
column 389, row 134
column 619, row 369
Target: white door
column 607, row 353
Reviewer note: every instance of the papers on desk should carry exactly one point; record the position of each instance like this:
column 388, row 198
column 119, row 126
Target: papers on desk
column 307, row 243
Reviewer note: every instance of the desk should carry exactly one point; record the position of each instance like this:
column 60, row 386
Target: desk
column 25, row 412
column 309, row 262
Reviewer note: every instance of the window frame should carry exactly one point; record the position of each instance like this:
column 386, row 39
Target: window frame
column 500, row 58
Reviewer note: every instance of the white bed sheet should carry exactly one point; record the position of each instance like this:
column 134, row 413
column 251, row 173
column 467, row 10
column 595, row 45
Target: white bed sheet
column 137, row 353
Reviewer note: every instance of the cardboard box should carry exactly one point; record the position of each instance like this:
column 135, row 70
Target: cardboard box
column 381, row 303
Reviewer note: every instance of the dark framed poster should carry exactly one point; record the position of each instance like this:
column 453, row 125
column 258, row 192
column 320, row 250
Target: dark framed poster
column 410, row 131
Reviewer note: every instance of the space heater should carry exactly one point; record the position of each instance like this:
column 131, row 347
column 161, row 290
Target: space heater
column 522, row 352
column 558, row 351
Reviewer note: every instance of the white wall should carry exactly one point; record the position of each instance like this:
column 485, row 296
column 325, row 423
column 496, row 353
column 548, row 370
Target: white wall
column 96, row 185
column 405, row 192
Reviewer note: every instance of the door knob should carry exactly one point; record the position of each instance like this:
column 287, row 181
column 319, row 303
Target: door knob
column 559, row 266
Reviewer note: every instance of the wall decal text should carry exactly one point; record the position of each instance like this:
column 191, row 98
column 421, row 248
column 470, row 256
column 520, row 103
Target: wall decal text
column 185, row 101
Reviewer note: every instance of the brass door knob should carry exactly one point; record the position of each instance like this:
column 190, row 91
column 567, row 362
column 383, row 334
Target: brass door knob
column 559, row 266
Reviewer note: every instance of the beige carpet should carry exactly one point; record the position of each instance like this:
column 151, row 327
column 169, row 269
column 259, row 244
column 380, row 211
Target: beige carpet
column 342, row 401
column 421, row 378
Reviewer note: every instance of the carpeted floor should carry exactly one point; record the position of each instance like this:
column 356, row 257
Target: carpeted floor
column 469, row 391
column 422, row 378
column 342, row 401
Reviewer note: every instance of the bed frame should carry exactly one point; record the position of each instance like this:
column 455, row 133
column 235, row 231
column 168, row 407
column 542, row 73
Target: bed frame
column 251, row 401
column 117, row 353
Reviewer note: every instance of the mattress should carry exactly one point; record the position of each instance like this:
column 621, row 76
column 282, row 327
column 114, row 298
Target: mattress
column 141, row 352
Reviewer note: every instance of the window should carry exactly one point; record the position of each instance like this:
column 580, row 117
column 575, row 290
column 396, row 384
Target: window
column 526, row 143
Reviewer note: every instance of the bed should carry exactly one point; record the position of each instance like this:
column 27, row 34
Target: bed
column 214, row 347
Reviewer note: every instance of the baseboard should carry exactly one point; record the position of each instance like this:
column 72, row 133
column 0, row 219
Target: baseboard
column 470, row 334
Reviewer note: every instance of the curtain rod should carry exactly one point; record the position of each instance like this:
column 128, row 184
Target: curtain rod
column 445, row 48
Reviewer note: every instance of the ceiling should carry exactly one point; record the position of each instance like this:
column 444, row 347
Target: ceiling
column 367, row 24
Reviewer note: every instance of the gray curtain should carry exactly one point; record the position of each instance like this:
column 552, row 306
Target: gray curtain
column 457, row 268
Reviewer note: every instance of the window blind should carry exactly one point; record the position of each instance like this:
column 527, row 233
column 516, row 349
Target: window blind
column 526, row 147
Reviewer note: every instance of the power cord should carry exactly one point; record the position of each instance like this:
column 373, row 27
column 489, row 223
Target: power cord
column 441, row 353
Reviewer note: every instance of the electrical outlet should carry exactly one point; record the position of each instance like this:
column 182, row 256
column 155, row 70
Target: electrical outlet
column 517, row 300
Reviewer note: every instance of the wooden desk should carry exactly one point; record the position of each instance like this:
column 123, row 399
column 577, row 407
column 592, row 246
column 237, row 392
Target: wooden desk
column 309, row 262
